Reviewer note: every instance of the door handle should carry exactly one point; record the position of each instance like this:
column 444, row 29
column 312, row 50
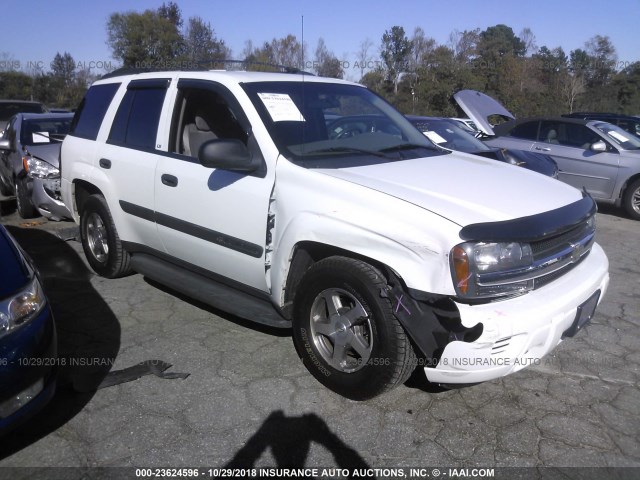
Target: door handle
column 169, row 180
column 105, row 163
column 543, row 149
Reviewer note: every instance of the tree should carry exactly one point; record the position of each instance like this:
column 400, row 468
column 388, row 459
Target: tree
column 603, row 58
column 396, row 49
column 63, row 68
column 146, row 39
column 15, row 85
column 363, row 58
column 286, row 51
column 172, row 13
column 201, row 43
column 499, row 41
column 627, row 84
column 326, row 64
column 464, row 45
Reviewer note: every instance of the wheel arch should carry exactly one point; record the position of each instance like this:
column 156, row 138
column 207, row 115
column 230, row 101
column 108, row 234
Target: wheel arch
column 81, row 191
column 308, row 252
column 628, row 182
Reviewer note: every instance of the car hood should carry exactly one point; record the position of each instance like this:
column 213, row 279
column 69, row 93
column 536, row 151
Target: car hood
column 479, row 107
column 463, row 188
column 49, row 152
column 15, row 274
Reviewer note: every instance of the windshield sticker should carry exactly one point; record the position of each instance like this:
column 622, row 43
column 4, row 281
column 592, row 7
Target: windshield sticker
column 40, row 137
column 434, row 137
column 617, row 136
column 281, row 107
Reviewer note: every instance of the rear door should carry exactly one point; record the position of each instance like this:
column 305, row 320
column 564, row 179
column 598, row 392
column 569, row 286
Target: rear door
column 569, row 145
column 128, row 159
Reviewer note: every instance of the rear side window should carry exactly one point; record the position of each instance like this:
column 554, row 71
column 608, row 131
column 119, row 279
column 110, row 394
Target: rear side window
column 137, row 118
column 528, row 131
column 88, row 118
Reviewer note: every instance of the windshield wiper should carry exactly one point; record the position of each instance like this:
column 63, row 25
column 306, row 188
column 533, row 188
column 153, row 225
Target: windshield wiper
column 348, row 150
column 405, row 146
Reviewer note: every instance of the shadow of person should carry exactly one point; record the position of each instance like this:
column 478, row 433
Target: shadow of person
column 290, row 438
column 88, row 334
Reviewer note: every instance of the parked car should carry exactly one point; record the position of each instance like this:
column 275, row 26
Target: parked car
column 468, row 123
column 28, row 348
column 8, row 108
column 591, row 154
column 626, row 122
column 378, row 249
column 443, row 132
column 29, row 164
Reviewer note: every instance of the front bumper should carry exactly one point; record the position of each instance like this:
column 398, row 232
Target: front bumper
column 46, row 198
column 27, row 364
column 520, row 331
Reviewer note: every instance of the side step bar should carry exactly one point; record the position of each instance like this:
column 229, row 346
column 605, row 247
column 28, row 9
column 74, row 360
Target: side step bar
column 208, row 291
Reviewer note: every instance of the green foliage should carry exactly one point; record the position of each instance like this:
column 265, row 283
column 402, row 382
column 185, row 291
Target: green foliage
column 525, row 79
column 286, row 51
column 15, row 85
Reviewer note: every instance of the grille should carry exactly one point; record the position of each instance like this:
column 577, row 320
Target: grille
column 549, row 246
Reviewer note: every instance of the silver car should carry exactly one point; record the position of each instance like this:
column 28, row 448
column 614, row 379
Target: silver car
column 594, row 155
column 29, row 163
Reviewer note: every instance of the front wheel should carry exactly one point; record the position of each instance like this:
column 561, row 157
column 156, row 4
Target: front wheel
column 24, row 203
column 100, row 240
column 631, row 200
column 345, row 331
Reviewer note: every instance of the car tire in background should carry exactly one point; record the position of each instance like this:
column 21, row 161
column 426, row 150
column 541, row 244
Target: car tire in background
column 24, row 204
column 345, row 332
column 631, row 199
column 5, row 187
column 100, row 240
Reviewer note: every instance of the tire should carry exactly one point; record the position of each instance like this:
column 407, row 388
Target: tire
column 24, row 203
column 631, row 200
column 375, row 355
column 5, row 187
column 100, row 240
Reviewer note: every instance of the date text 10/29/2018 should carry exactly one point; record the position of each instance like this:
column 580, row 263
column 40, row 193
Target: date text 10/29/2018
column 322, row 473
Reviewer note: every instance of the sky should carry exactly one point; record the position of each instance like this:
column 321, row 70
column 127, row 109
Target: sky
column 40, row 29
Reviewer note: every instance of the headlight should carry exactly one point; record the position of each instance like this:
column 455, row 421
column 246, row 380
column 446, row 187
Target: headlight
column 484, row 270
column 39, row 168
column 21, row 307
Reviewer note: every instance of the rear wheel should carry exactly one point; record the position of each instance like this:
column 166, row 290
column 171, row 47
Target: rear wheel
column 631, row 200
column 23, row 199
column 345, row 331
column 100, row 239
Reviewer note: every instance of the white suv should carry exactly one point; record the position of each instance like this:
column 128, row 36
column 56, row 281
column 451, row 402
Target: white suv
column 382, row 251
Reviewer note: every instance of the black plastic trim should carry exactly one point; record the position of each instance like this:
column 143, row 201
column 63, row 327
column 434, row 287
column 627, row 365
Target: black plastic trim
column 533, row 227
column 138, row 211
column 222, row 239
column 149, row 83
column 190, row 280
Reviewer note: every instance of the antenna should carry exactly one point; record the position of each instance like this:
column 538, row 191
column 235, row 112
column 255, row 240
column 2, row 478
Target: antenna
column 302, row 53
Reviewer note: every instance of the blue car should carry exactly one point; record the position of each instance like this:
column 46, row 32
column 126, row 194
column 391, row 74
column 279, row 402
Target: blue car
column 28, row 348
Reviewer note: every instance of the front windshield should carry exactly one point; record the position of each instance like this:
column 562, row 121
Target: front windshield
column 333, row 125
column 447, row 134
column 44, row 130
column 618, row 136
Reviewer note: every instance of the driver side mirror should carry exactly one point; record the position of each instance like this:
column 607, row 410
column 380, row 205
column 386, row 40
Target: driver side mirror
column 598, row 147
column 5, row 144
column 227, row 154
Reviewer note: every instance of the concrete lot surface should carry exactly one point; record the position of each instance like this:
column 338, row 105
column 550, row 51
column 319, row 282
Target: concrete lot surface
column 248, row 401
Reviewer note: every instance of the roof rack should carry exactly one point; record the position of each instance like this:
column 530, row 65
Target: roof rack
column 203, row 65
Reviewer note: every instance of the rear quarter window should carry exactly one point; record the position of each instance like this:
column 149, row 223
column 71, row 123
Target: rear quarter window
column 92, row 109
